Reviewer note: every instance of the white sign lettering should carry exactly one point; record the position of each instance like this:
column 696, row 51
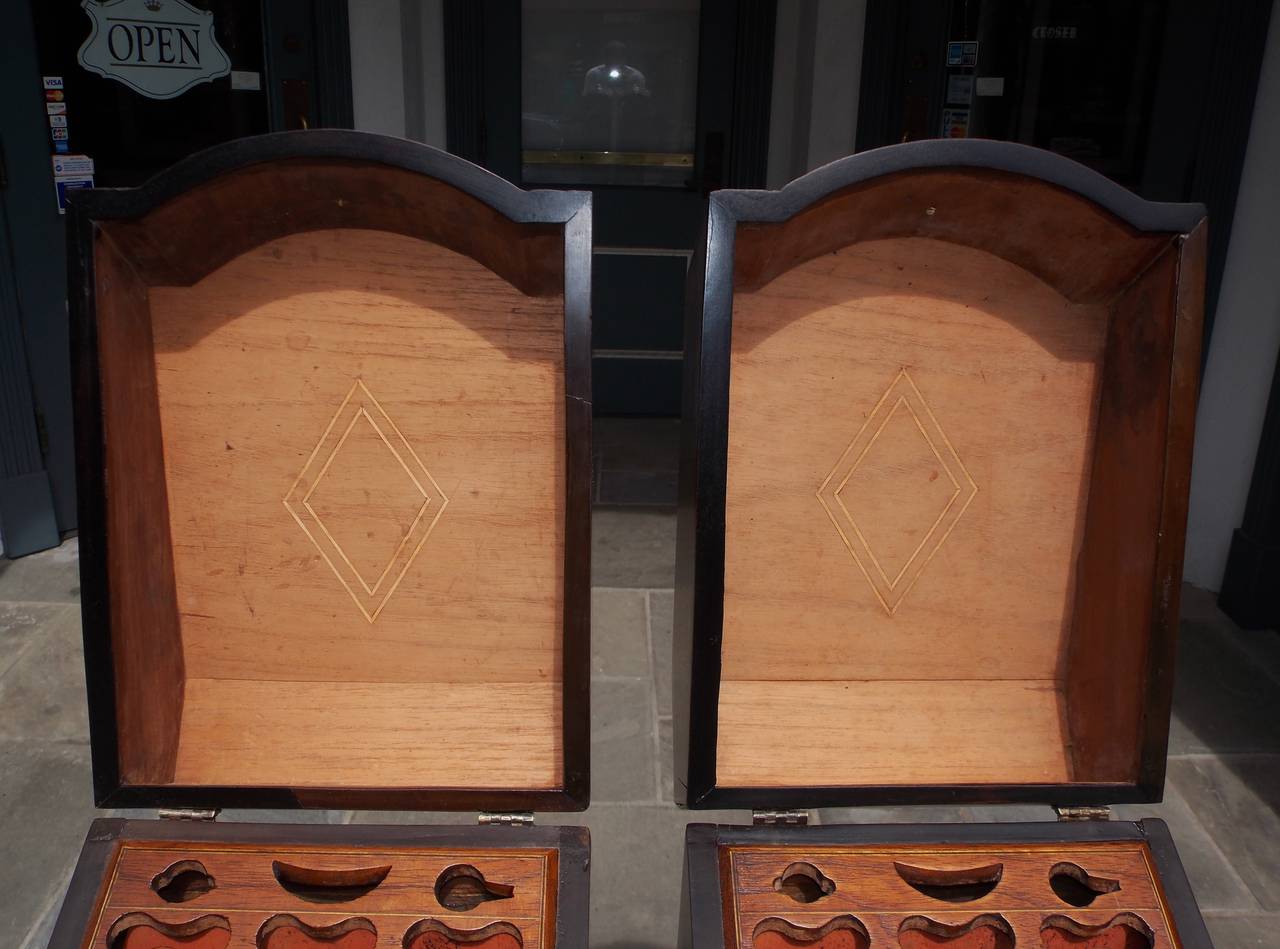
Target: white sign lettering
column 160, row 48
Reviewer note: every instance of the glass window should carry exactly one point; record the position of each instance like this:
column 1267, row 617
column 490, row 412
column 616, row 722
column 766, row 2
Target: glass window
column 609, row 91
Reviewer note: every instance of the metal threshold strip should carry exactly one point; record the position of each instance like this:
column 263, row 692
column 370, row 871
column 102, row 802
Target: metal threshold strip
column 651, row 159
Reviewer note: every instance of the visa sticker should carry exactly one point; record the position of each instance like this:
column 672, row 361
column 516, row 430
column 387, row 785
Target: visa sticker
column 53, row 82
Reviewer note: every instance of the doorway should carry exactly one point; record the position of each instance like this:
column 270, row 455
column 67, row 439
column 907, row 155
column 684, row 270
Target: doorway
column 650, row 105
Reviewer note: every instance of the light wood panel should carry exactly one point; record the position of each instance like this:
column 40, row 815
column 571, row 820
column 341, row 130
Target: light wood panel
column 781, row 733
column 371, row 734
column 1000, row 382
column 256, row 364
column 868, row 887
column 910, row 428
column 363, row 445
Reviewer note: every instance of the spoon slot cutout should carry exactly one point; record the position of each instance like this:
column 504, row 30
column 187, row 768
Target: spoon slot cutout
column 951, row 886
column 841, row 932
column 183, row 881
column 327, row 886
column 433, row 934
column 462, row 887
column 988, row 931
column 144, row 931
column 1124, row 931
column 1074, row 885
column 804, row 883
column 285, row 931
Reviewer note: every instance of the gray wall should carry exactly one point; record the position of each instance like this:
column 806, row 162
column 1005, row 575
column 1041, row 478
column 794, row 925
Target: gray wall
column 817, row 65
column 397, row 68
column 1246, row 336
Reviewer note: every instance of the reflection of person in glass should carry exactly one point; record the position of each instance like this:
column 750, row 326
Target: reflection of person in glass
column 614, row 77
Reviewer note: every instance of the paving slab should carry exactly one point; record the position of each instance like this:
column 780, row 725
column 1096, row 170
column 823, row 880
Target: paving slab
column 1237, row 800
column 633, row 547
column 1244, row 932
column 620, row 633
column 42, row 695
column 1222, row 702
column 45, row 809
column 51, row 576
column 623, row 743
column 661, row 607
column 21, row 624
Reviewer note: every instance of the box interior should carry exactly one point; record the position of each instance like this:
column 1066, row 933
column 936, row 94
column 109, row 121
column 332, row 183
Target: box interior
column 947, row 432
column 335, row 484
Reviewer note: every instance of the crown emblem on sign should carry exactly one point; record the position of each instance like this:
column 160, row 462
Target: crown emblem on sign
column 152, row 5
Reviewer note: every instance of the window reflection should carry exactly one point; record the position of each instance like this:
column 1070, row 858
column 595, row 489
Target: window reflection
column 609, row 91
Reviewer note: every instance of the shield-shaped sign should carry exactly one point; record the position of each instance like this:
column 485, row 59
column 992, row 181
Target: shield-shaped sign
column 160, row 48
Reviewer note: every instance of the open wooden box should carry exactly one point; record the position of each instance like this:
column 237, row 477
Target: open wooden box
column 938, row 426
column 333, row 411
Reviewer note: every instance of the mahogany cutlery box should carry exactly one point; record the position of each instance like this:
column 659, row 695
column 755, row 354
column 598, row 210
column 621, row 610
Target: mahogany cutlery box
column 333, row 416
column 937, row 444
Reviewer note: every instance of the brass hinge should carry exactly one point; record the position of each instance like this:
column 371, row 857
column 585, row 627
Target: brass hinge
column 796, row 818
column 1083, row 813
column 513, row 819
column 189, row 813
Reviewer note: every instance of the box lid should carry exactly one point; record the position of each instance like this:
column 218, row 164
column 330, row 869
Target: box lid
column 333, row 417
column 940, row 399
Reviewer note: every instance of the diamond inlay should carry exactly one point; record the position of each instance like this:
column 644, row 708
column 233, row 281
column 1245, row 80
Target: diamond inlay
column 897, row 492
column 366, row 501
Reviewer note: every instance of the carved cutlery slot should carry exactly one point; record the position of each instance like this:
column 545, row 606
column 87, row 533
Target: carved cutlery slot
column 804, row 883
column 952, row 886
column 988, row 931
column 433, row 934
column 1075, row 885
column 462, row 887
column 1124, row 931
column 183, row 881
column 328, row 886
column 842, row 932
column 144, row 931
column 285, row 931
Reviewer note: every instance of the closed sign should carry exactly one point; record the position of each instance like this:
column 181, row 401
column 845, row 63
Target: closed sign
column 160, row 48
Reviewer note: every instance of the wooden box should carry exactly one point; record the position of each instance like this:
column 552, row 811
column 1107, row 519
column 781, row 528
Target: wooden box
column 333, row 419
column 938, row 426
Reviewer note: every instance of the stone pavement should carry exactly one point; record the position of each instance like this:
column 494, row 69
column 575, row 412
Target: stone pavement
column 1222, row 801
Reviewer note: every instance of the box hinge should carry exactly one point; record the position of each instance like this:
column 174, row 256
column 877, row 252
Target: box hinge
column 511, row 819
column 1083, row 813
column 189, row 813
column 796, row 818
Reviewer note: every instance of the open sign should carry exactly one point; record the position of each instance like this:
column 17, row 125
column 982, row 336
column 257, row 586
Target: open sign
column 159, row 48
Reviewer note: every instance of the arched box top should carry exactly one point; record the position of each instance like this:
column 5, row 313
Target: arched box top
column 215, row 205
column 767, row 423
column 1078, row 231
